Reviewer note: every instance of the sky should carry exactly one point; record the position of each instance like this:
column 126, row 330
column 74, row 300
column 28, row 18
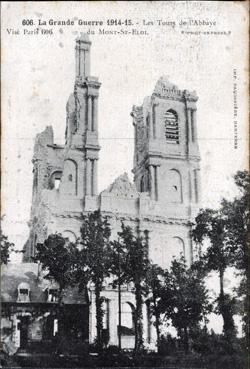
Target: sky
column 38, row 74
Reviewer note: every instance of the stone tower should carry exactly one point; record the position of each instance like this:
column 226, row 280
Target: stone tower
column 65, row 176
column 166, row 153
column 163, row 199
column 166, row 163
column 81, row 134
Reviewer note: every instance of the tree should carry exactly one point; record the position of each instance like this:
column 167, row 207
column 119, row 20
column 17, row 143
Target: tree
column 135, row 270
column 93, row 261
column 236, row 213
column 58, row 259
column 6, row 248
column 212, row 225
column 227, row 229
column 118, row 257
column 154, row 283
column 185, row 298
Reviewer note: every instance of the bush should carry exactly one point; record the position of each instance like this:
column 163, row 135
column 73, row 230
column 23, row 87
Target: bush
column 205, row 343
column 168, row 345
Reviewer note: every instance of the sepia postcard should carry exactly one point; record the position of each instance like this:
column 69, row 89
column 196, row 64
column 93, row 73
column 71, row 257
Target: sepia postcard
column 124, row 182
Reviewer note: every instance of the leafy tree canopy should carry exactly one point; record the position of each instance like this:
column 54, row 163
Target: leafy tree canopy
column 6, row 248
column 58, row 258
column 185, row 297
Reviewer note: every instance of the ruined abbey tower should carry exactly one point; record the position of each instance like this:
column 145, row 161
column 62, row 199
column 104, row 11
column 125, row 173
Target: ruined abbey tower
column 163, row 199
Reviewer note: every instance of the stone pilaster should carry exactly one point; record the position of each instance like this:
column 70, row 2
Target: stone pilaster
column 152, row 182
column 89, row 113
column 113, row 310
column 95, row 114
column 156, row 168
column 150, row 119
column 194, row 116
column 88, row 177
column 95, row 177
column 154, row 120
column 82, row 52
column 189, row 120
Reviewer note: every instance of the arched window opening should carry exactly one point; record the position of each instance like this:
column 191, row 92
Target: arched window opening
column 57, row 183
column 69, row 235
column 55, row 180
column 175, row 186
column 69, row 179
column 175, row 248
column 23, row 291
column 171, row 126
column 52, row 295
column 127, row 319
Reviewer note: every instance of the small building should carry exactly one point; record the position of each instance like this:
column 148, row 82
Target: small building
column 30, row 315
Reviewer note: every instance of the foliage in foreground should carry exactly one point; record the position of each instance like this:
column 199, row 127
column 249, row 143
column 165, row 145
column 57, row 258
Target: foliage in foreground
column 93, row 262
column 178, row 294
column 57, row 257
column 6, row 248
column 226, row 230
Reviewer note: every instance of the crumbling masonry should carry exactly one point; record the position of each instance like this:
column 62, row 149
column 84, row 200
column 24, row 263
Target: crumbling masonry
column 163, row 199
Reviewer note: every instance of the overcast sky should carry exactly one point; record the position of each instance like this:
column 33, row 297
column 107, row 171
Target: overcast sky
column 38, row 75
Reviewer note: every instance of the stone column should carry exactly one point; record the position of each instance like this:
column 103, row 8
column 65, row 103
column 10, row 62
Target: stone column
column 194, row 125
column 189, row 127
column 87, row 62
column 113, row 311
column 89, row 113
column 82, row 56
column 154, row 120
column 88, row 177
column 197, row 185
column 150, row 124
column 95, row 114
column 145, row 324
column 189, row 250
column 156, row 183
column 95, row 177
column 81, row 62
column 77, row 57
column 92, row 318
column 152, row 182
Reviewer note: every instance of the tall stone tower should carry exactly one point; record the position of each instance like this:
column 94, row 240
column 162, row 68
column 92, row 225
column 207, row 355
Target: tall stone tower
column 163, row 199
column 166, row 153
column 82, row 125
column 65, row 177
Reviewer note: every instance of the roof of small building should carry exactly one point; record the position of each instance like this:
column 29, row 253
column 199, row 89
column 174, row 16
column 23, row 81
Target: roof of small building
column 29, row 274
